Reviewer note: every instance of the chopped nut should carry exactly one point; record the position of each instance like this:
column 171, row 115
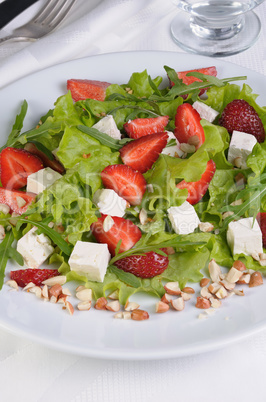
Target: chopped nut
column 101, row 303
column 126, row 315
column 239, row 265
column 60, row 280
column 80, row 287
column 204, row 292
column 69, row 308
column 29, row 285
column 167, row 298
column 239, row 292
column 36, row 290
column 108, row 223
column 113, row 305
column 139, row 315
column 66, row 292
column 262, row 256
column 214, row 287
column 62, row 298
column 13, row 284
column 215, row 271
column 203, row 303
column 143, row 216
column 84, row 305
column 186, row 296
column 245, row 279
column 233, row 275
column 189, row 290
column 55, row 291
column 221, row 293
column 84, row 294
column 255, row 256
column 215, row 303
column 161, row 307
column 227, row 285
column 119, row 315
column 114, row 295
column 172, row 288
column 130, row 306
column 237, row 202
column 226, row 214
column 255, row 279
column 45, row 292
column 204, row 282
column 238, row 162
column 178, row 304
column 206, row 227
column 53, row 299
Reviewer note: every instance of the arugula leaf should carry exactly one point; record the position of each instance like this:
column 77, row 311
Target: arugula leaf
column 126, row 277
column 6, row 252
column 18, row 125
column 104, row 138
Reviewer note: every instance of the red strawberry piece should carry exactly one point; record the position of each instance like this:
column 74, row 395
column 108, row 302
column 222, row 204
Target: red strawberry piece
column 52, row 163
column 190, row 79
column 239, row 115
column 144, row 266
column 16, row 166
column 197, row 189
column 140, row 127
column 261, row 218
column 37, row 276
column 141, row 154
column 125, row 181
column 187, row 124
column 122, row 229
column 14, row 199
column 87, row 89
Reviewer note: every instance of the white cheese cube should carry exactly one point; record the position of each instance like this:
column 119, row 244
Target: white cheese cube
column 37, row 182
column 109, row 202
column 184, row 218
column 34, row 248
column 108, row 126
column 245, row 238
column 206, row 112
column 241, row 146
column 173, row 150
column 90, row 260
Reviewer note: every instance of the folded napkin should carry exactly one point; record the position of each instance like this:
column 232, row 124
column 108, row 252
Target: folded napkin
column 108, row 27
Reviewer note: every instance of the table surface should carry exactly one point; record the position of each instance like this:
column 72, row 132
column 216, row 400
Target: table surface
column 33, row 373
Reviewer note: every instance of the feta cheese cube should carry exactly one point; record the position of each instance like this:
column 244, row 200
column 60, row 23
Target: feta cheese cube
column 34, row 248
column 90, row 260
column 206, row 112
column 241, row 146
column 184, row 218
column 37, row 182
column 109, row 202
column 173, row 150
column 108, row 126
column 245, row 238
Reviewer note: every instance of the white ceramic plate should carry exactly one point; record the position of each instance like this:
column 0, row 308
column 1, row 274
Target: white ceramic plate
column 97, row 333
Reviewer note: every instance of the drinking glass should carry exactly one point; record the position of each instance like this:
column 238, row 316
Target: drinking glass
column 216, row 27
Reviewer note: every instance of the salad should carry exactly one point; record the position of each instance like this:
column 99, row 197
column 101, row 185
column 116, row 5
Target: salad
column 160, row 157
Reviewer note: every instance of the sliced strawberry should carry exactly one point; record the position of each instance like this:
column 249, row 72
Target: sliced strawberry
column 187, row 124
column 15, row 199
column 261, row 218
column 190, row 79
column 197, row 189
column 125, row 181
column 52, row 163
column 141, row 154
column 16, row 166
column 122, row 229
column 36, row 275
column 239, row 115
column 87, row 89
column 140, row 127
column 144, row 266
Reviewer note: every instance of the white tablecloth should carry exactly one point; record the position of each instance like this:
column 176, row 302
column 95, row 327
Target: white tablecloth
column 30, row 372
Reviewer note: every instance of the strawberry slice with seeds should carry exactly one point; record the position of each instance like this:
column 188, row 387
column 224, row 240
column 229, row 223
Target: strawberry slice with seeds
column 87, row 89
column 52, row 163
column 187, row 124
column 37, row 276
column 122, row 229
column 190, row 79
column 16, row 165
column 144, row 266
column 239, row 115
column 261, row 218
column 141, row 154
column 125, row 181
column 18, row 201
column 140, row 127
column 197, row 189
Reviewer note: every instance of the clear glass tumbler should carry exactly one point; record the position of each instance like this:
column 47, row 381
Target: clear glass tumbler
column 216, row 27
